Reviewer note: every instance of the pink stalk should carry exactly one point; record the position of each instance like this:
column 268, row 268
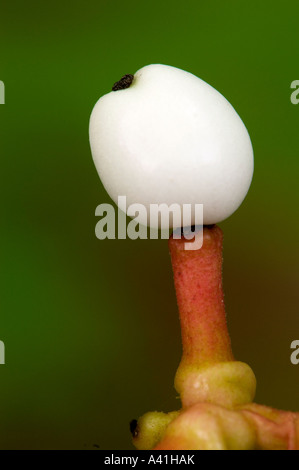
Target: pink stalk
column 198, row 284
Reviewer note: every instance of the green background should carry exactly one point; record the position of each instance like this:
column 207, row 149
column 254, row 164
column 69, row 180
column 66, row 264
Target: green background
column 91, row 327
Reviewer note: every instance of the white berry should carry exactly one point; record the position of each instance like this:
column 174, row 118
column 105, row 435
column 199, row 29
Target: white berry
column 172, row 138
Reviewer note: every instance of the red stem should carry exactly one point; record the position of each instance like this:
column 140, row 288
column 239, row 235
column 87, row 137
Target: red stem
column 198, row 284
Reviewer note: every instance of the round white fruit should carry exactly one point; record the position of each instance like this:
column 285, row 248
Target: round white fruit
column 171, row 138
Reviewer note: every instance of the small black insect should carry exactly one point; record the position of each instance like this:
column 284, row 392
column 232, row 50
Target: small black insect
column 123, row 83
column 133, row 427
